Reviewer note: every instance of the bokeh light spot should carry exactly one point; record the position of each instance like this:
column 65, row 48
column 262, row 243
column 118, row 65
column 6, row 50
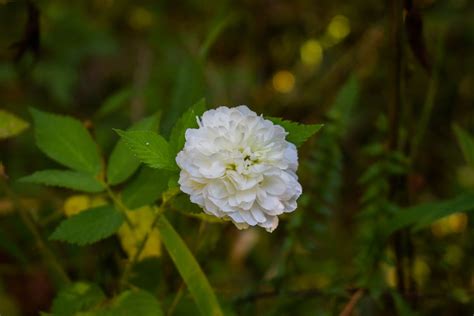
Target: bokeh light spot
column 140, row 19
column 339, row 27
column 311, row 53
column 283, row 81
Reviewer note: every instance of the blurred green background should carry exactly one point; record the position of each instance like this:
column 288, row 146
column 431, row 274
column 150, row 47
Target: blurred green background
column 111, row 62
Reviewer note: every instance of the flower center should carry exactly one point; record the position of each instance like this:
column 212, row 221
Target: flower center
column 242, row 159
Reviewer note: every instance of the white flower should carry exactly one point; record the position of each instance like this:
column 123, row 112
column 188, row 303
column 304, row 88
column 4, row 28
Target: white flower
column 238, row 165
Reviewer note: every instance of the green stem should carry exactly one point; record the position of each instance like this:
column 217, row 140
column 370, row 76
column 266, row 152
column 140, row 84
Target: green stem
column 48, row 256
column 118, row 203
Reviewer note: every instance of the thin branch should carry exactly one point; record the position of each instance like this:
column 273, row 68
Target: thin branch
column 347, row 311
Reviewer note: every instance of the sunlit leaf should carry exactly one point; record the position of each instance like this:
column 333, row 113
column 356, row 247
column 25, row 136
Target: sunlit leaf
column 11, row 125
column 130, row 239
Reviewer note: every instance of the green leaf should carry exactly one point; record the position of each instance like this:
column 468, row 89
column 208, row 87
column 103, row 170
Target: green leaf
column 422, row 215
column 76, row 298
column 187, row 120
column 402, row 307
column 188, row 87
column 189, row 269
column 466, row 142
column 297, row 133
column 89, row 226
column 114, row 102
column 136, row 302
column 66, row 179
column 11, row 125
column 345, row 100
column 122, row 163
column 216, row 30
column 146, row 187
column 67, row 141
column 151, row 148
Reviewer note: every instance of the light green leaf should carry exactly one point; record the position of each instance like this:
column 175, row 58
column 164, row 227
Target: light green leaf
column 466, row 142
column 189, row 269
column 145, row 188
column 114, row 102
column 297, row 133
column 151, row 148
column 187, row 120
column 66, row 179
column 76, row 298
column 67, row 141
column 422, row 215
column 11, row 125
column 89, row 226
column 122, row 163
column 135, row 302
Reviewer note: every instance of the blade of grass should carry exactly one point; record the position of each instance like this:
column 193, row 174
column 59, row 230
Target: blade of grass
column 189, row 269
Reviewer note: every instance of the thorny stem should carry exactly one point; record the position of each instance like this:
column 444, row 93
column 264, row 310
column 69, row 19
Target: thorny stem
column 48, row 255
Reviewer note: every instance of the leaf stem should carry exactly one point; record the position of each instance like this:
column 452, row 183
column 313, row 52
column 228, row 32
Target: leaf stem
column 118, row 203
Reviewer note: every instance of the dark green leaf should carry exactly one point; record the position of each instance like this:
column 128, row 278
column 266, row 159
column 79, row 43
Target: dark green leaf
column 420, row 216
column 297, row 133
column 146, row 187
column 11, row 125
column 122, row 163
column 187, row 120
column 66, row 179
column 89, row 226
column 114, row 102
column 188, row 87
column 151, row 148
column 67, row 141
column 189, row 269
column 76, row 298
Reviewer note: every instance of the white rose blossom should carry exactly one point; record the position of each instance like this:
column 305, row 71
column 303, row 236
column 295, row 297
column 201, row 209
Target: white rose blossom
column 238, row 165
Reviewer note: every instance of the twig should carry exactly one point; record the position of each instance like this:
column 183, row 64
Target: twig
column 347, row 311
